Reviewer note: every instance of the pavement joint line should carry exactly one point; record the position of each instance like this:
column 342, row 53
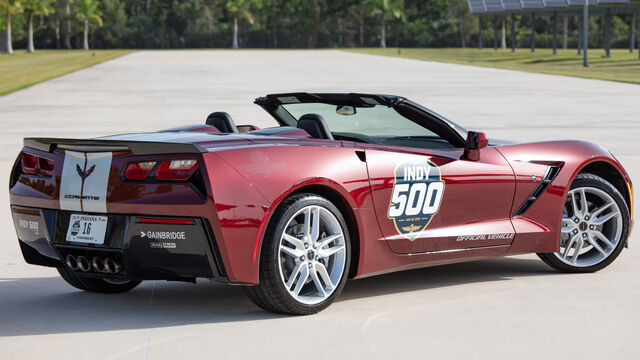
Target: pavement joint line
column 149, row 318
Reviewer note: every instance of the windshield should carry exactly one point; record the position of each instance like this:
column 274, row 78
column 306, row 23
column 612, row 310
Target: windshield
column 376, row 121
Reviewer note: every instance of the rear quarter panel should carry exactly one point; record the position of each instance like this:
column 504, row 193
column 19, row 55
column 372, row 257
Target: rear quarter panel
column 276, row 172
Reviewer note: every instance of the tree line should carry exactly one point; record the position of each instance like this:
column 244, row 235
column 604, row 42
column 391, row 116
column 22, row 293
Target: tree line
column 161, row 24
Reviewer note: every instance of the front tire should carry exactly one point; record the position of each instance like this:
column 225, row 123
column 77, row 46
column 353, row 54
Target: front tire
column 595, row 226
column 305, row 257
column 96, row 285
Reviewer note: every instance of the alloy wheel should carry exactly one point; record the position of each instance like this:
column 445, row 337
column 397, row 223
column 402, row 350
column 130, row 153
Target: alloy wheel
column 312, row 255
column 591, row 227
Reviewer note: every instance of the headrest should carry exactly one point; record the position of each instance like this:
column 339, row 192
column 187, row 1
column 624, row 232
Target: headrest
column 222, row 121
column 315, row 125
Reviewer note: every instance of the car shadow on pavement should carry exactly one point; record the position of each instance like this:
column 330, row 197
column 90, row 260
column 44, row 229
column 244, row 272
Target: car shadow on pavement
column 34, row 306
column 496, row 269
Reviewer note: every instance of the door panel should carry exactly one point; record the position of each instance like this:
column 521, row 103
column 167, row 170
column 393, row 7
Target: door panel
column 432, row 200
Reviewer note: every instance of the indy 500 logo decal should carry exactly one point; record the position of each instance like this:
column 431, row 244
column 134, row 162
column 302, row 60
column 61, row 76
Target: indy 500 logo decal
column 416, row 196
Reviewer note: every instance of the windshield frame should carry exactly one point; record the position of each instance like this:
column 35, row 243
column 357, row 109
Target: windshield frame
column 448, row 130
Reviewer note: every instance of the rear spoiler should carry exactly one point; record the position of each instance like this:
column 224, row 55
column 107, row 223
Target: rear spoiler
column 136, row 147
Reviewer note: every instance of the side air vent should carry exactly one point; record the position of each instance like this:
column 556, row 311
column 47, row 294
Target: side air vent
column 548, row 177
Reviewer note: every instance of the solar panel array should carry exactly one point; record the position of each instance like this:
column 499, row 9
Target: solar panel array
column 493, row 5
column 557, row 3
column 498, row 6
column 476, row 6
column 532, row 4
column 591, row 2
column 511, row 5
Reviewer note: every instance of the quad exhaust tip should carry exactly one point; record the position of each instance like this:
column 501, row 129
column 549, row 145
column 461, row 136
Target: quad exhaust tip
column 97, row 264
column 112, row 266
column 71, row 262
column 83, row 263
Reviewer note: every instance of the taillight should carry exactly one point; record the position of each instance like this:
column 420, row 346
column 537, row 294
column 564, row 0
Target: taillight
column 31, row 164
column 176, row 170
column 139, row 171
column 46, row 166
column 171, row 170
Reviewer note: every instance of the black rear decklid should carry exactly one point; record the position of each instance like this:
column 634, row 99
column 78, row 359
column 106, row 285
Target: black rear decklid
column 104, row 145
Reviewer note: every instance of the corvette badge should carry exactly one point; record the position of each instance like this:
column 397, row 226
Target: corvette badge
column 83, row 174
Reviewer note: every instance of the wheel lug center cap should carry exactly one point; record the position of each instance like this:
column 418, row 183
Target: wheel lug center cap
column 583, row 226
column 311, row 254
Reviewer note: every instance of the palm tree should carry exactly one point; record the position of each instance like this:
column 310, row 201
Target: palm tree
column 10, row 7
column 87, row 10
column 460, row 11
column 33, row 8
column 237, row 9
column 385, row 9
column 67, row 18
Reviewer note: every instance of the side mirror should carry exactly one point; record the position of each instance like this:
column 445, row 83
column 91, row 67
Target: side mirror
column 475, row 142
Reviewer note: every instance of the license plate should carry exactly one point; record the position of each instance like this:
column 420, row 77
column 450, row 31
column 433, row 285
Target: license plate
column 87, row 229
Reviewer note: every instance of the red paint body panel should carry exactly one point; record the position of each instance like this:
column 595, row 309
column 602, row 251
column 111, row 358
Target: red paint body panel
column 475, row 192
column 278, row 171
column 247, row 177
column 236, row 216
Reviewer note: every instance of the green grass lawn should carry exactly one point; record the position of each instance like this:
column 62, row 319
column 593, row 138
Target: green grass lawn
column 22, row 69
column 621, row 66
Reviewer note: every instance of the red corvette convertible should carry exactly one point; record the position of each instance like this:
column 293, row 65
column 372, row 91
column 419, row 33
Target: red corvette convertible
column 348, row 186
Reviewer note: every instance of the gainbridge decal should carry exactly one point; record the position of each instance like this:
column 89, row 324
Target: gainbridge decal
column 416, row 196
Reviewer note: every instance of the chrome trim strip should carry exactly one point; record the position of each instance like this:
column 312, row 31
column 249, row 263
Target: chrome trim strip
column 245, row 146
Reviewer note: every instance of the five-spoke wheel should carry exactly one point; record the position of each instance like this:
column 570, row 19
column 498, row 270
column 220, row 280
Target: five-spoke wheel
column 312, row 254
column 305, row 257
column 591, row 227
column 594, row 226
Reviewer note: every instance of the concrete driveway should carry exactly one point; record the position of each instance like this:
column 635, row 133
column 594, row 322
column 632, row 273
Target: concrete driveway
column 513, row 308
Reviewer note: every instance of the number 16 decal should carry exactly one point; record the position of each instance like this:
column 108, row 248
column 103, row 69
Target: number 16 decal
column 416, row 196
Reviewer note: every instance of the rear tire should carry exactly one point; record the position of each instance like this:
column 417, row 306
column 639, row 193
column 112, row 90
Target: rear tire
column 305, row 257
column 595, row 227
column 96, row 285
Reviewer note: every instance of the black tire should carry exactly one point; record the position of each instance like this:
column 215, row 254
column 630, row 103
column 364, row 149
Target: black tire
column 590, row 180
column 96, row 285
column 271, row 294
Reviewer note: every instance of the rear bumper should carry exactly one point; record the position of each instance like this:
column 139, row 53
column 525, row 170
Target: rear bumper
column 145, row 250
